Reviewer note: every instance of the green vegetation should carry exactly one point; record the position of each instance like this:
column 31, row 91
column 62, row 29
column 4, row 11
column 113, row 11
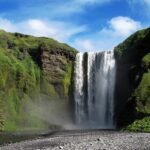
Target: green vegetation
column 67, row 78
column 140, row 125
column 146, row 61
column 134, row 54
column 1, row 117
column 137, row 42
column 18, row 80
column 142, row 94
column 23, row 78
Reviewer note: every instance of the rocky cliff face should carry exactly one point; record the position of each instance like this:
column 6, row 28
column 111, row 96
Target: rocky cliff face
column 55, row 65
column 31, row 69
column 133, row 81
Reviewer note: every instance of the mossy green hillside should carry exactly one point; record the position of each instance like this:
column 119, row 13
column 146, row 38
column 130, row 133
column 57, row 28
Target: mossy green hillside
column 134, row 54
column 18, row 79
column 142, row 94
column 23, row 78
column 136, row 43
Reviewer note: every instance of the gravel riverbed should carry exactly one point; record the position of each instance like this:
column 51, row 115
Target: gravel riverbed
column 85, row 140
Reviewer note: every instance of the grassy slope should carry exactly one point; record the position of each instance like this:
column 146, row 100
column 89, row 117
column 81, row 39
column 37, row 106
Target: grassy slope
column 136, row 51
column 22, row 80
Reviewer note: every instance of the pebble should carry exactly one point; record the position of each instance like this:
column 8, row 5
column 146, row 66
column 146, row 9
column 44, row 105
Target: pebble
column 60, row 147
column 85, row 141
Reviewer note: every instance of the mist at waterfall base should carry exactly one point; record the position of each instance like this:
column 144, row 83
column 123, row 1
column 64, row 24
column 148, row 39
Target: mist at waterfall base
column 54, row 113
column 94, row 82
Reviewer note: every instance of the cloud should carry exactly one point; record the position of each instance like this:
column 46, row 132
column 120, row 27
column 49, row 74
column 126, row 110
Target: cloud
column 147, row 1
column 61, row 8
column 97, row 44
column 79, row 5
column 84, row 44
column 116, row 30
column 7, row 25
column 143, row 5
column 58, row 30
column 139, row 1
column 87, row 2
column 121, row 26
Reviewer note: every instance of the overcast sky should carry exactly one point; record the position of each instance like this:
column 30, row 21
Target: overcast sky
column 87, row 25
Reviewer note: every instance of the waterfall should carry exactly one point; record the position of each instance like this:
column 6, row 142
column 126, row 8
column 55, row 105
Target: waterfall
column 79, row 94
column 94, row 89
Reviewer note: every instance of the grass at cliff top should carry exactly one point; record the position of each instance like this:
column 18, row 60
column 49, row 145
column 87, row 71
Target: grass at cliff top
column 17, row 40
column 137, row 42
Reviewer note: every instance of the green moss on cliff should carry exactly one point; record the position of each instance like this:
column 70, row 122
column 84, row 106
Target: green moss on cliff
column 24, row 78
column 146, row 61
column 142, row 94
column 139, row 41
column 17, row 79
column 67, row 78
column 134, row 55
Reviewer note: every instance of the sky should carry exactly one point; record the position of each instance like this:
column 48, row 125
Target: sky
column 87, row 25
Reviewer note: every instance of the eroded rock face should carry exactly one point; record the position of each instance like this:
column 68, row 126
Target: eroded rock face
column 55, row 65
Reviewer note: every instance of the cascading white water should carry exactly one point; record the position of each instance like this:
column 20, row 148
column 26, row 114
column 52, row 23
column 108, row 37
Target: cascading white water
column 79, row 94
column 94, row 89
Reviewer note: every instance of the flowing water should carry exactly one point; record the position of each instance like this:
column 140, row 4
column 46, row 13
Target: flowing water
column 94, row 89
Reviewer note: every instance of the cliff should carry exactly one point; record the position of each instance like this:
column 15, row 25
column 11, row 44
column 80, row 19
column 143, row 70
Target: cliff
column 35, row 69
column 133, row 82
column 31, row 69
